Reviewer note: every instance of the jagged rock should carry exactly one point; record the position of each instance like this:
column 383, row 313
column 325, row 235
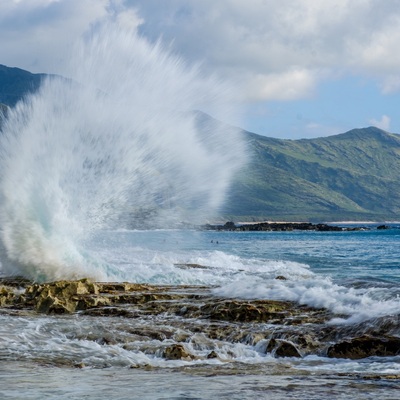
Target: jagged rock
column 49, row 304
column 62, row 288
column 7, row 296
column 178, row 352
column 282, row 348
column 61, row 296
column 365, row 346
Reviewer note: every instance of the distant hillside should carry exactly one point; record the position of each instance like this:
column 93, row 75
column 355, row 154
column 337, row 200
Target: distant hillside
column 16, row 83
column 354, row 175
column 351, row 176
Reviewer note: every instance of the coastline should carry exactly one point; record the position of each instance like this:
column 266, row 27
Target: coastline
column 277, row 328
column 286, row 226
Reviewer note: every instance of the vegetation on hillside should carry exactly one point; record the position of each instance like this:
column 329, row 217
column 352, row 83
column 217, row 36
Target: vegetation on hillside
column 354, row 175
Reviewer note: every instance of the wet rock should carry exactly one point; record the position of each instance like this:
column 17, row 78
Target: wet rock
column 7, row 295
column 282, row 348
column 191, row 266
column 85, row 302
column 383, row 227
column 61, row 297
column 307, row 342
column 116, row 287
column 15, row 281
column 365, row 346
column 110, row 311
column 53, row 305
column 178, row 352
column 153, row 332
column 244, row 311
column 212, row 355
column 63, row 288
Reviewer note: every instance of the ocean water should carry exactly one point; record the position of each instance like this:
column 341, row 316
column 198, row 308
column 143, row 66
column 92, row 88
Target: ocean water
column 355, row 274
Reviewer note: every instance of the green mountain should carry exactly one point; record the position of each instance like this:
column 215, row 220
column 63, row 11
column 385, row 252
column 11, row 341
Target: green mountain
column 351, row 176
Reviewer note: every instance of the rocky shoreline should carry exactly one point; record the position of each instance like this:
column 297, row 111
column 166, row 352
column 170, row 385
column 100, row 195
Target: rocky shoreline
column 285, row 227
column 194, row 314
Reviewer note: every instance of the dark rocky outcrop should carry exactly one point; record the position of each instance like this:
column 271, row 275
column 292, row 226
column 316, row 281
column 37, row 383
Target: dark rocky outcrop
column 282, row 348
column 365, row 346
column 280, row 227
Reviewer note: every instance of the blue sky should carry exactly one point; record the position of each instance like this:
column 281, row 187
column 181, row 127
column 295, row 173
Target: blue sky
column 299, row 68
column 338, row 106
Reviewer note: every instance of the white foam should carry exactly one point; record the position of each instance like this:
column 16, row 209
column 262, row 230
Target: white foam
column 356, row 304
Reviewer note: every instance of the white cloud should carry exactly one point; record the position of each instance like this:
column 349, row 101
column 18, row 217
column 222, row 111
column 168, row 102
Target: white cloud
column 261, row 39
column 383, row 123
column 36, row 34
column 269, row 49
column 391, row 84
column 290, row 85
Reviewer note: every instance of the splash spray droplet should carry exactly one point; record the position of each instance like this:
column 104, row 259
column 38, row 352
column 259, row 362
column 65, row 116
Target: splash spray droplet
column 121, row 141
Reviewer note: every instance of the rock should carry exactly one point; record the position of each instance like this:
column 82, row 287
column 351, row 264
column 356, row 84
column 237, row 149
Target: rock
column 274, row 226
column 365, row 346
column 62, row 288
column 7, row 296
column 178, row 352
column 191, row 266
column 244, row 311
column 212, row 354
column 15, row 281
column 49, row 304
column 382, row 227
column 62, row 296
column 85, row 302
column 307, row 342
column 282, row 348
column 114, row 287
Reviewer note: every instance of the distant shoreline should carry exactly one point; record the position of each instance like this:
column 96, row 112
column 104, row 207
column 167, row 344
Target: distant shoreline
column 292, row 226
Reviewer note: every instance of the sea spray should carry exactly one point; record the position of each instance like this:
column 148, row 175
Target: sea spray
column 121, row 141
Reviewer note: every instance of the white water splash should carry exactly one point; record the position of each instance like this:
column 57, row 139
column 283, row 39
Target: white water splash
column 118, row 144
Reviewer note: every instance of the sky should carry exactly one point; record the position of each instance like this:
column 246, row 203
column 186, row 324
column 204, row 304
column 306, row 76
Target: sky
column 300, row 68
